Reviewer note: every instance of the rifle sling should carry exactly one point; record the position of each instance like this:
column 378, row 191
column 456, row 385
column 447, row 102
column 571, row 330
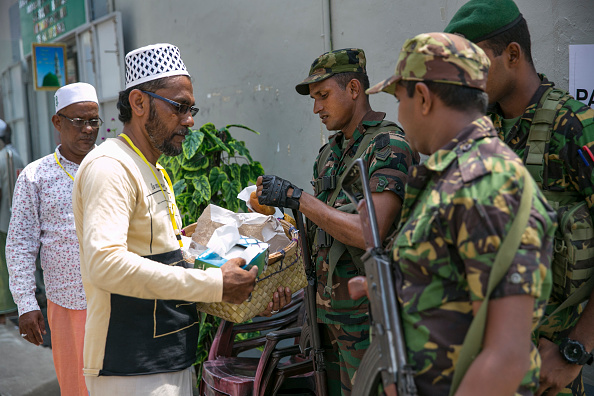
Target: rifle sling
column 505, row 255
column 338, row 248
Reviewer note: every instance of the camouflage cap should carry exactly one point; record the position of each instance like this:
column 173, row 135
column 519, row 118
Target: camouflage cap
column 438, row 57
column 331, row 63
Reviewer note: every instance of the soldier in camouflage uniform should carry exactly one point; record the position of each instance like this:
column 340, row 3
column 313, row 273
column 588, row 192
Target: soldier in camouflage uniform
column 459, row 206
column 516, row 91
column 337, row 81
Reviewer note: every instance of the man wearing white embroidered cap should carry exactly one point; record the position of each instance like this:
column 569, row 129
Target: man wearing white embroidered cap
column 42, row 221
column 142, row 326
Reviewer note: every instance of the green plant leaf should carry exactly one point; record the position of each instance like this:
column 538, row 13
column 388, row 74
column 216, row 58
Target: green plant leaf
column 192, row 143
column 182, row 200
column 230, row 191
column 179, row 187
column 245, row 175
column 239, row 147
column 216, row 179
column 193, row 208
column 242, row 127
column 256, row 170
column 202, row 190
column 236, row 172
column 224, row 134
column 191, row 175
column 208, row 127
column 196, row 163
column 215, row 142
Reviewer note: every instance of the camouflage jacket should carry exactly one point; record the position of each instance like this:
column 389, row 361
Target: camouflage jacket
column 388, row 158
column 573, row 128
column 564, row 170
column 454, row 217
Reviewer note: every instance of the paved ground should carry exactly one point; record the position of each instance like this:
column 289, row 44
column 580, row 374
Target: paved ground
column 25, row 369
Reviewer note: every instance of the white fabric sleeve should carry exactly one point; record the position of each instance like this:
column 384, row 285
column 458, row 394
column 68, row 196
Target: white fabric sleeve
column 109, row 194
column 22, row 243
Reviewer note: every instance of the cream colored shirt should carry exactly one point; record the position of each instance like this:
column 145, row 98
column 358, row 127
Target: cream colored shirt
column 121, row 215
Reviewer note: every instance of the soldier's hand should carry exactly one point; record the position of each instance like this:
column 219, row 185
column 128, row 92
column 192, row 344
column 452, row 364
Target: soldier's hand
column 32, row 327
column 358, row 287
column 237, row 282
column 555, row 372
column 280, row 298
column 275, row 191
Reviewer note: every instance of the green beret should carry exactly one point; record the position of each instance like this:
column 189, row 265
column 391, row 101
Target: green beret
column 480, row 20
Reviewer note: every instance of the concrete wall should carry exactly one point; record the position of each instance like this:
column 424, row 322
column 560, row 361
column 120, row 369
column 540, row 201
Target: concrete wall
column 246, row 57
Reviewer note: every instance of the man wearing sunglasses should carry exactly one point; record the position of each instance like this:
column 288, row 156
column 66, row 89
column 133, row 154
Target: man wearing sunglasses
column 142, row 326
column 42, row 221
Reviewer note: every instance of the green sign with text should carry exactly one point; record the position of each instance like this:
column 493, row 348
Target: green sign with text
column 45, row 20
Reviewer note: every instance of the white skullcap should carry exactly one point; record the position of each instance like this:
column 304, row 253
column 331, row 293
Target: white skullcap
column 74, row 93
column 153, row 62
column 3, row 127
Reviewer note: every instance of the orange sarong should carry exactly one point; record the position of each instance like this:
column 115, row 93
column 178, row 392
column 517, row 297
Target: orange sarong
column 68, row 335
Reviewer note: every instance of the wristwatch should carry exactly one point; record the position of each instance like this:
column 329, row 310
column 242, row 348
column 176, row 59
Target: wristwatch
column 574, row 352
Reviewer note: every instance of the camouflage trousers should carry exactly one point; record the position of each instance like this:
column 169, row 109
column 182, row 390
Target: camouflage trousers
column 344, row 347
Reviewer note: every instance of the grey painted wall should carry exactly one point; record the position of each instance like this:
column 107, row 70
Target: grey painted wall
column 246, row 57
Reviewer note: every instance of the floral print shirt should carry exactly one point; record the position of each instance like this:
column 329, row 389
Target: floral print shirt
column 42, row 221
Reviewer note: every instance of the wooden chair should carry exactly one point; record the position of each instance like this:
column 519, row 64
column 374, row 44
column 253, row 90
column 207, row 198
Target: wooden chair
column 279, row 370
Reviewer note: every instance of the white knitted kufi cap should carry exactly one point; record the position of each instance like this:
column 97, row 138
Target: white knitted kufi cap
column 153, row 62
column 74, row 93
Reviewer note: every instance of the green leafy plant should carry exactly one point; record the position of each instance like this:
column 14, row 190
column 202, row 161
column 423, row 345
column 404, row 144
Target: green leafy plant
column 213, row 168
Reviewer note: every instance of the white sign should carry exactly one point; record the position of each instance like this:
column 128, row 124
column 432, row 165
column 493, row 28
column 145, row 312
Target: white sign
column 581, row 78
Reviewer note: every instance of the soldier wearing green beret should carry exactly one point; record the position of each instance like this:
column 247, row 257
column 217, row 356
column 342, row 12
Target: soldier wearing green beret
column 554, row 135
column 459, row 206
column 336, row 82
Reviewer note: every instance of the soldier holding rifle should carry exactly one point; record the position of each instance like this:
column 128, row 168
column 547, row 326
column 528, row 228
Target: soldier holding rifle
column 459, row 207
column 336, row 82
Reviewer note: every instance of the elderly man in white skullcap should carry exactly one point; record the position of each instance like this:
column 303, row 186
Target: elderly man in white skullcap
column 142, row 325
column 42, row 221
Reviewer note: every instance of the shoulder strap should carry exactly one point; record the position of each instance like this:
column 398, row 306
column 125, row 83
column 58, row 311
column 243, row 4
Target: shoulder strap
column 338, row 248
column 540, row 131
column 581, row 294
column 505, row 255
column 369, row 135
column 324, row 154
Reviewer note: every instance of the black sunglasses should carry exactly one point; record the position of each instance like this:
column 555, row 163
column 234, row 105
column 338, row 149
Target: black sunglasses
column 181, row 108
column 79, row 122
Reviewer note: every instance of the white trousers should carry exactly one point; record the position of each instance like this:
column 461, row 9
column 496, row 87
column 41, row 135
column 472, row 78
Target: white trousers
column 178, row 383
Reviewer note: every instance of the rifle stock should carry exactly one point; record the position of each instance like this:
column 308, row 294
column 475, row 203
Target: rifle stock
column 312, row 322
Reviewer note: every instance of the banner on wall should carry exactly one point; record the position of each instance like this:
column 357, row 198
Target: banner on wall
column 581, row 78
column 49, row 66
column 46, row 20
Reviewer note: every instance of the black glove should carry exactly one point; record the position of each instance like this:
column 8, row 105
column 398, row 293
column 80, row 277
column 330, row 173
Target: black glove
column 274, row 193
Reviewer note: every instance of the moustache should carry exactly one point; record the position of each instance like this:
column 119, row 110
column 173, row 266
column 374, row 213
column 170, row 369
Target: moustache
column 183, row 132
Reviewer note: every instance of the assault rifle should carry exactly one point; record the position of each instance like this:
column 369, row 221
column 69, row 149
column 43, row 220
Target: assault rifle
column 385, row 359
column 312, row 318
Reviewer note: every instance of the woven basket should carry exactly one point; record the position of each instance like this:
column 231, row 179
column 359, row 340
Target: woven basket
column 285, row 268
